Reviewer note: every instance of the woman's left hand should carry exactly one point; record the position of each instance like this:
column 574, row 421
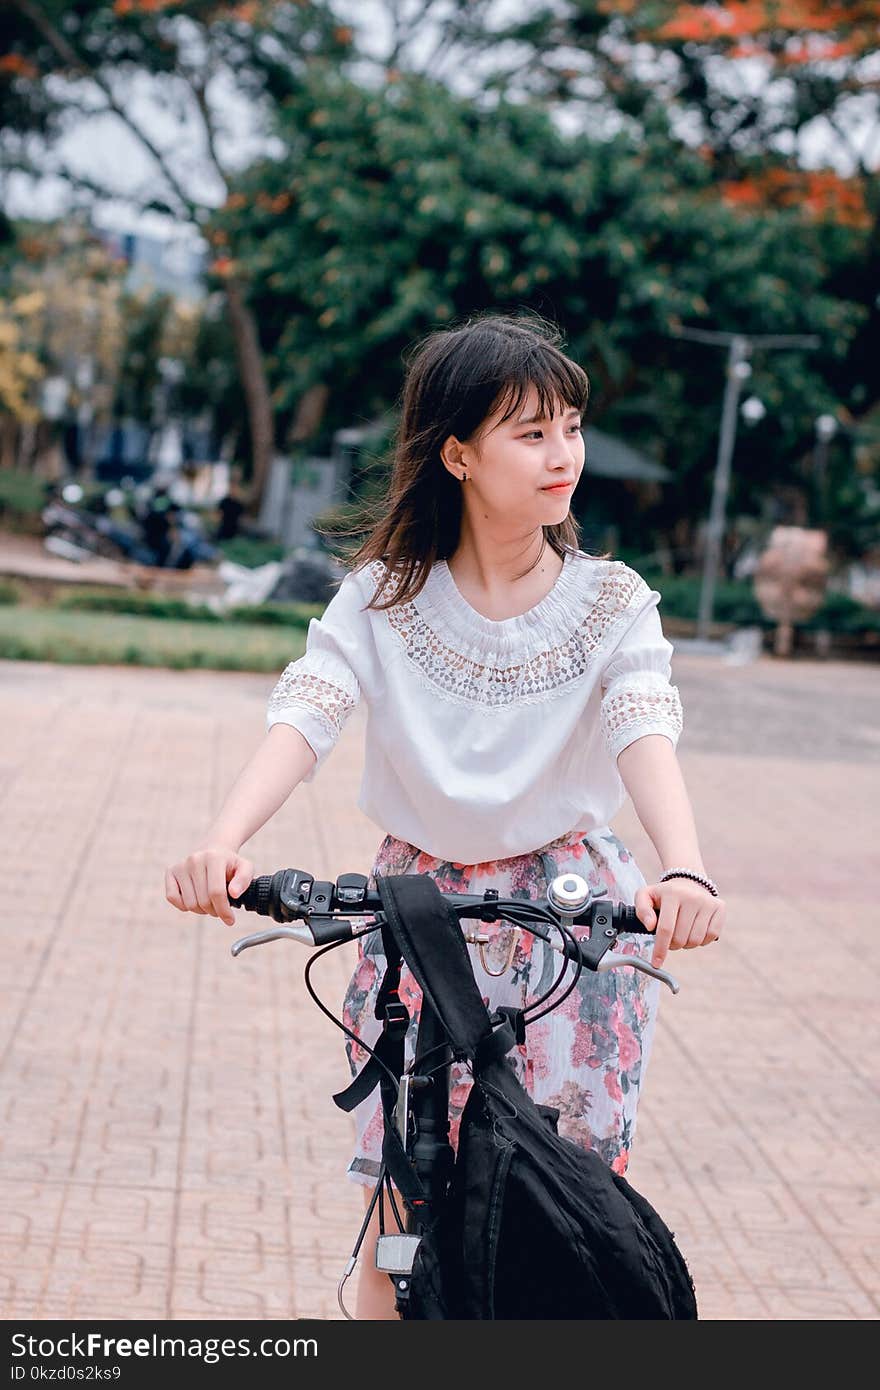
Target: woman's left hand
column 682, row 913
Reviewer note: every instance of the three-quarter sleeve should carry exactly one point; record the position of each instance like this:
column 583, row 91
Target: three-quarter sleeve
column 317, row 693
column 637, row 696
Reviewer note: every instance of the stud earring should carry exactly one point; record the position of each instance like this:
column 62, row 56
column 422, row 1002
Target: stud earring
column 464, row 477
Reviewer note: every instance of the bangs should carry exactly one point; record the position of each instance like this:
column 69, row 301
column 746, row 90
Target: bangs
column 560, row 383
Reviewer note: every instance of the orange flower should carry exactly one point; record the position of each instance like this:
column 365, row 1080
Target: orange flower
column 141, row 6
column 739, row 19
column 820, row 192
column 18, row 65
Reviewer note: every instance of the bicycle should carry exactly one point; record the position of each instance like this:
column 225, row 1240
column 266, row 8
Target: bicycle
column 421, row 1112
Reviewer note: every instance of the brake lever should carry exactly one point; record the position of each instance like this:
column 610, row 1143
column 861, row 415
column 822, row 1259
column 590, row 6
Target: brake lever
column 301, row 933
column 611, row 959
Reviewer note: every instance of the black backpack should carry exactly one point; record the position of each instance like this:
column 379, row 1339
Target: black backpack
column 530, row 1225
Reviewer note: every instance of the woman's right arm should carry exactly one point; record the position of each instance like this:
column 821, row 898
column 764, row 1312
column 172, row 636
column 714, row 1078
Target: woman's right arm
column 307, row 709
column 205, row 880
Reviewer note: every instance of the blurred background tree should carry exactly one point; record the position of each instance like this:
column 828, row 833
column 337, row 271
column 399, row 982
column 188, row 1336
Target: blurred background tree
column 620, row 240
column 625, row 166
column 148, row 63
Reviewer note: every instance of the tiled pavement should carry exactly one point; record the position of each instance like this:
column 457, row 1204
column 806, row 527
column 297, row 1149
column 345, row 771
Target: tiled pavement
column 170, row 1148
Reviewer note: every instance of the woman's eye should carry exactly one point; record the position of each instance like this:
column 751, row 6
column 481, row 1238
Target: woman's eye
column 532, row 433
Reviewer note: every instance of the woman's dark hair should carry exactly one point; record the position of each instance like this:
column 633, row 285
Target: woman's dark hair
column 455, row 379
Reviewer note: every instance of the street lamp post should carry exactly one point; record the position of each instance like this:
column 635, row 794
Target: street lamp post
column 826, row 428
column 739, row 347
column 738, row 371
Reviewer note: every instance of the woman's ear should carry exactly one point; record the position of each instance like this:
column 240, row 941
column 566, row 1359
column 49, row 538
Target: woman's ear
column 450, row 453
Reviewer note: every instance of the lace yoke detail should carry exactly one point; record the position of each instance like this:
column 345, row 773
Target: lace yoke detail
column 458, row 675
column 300, row 687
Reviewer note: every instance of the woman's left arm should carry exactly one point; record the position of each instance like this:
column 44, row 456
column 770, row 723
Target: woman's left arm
column 686, row 913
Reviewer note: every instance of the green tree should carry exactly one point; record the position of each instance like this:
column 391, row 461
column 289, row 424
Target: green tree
column 403, row 209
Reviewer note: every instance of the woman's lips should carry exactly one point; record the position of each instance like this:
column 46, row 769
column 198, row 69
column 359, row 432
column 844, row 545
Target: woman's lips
column 559, row 487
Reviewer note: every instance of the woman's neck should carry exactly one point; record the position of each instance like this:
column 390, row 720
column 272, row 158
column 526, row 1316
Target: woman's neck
column 493, row 565
column 505, row 597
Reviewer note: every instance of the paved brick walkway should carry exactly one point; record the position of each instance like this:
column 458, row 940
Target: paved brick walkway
column 169, row 1145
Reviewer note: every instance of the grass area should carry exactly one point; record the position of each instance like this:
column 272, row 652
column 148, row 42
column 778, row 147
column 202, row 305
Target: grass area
column 50, row 634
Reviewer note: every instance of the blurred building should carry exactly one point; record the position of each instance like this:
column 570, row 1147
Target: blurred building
column 172, row 265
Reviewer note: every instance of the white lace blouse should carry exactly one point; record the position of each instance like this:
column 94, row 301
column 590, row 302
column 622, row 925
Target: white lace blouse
column 485, row 738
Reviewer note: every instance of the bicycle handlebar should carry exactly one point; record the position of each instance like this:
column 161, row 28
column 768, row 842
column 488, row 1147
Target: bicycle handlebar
column 291, row 895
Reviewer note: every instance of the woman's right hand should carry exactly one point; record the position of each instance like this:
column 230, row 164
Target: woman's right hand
column 205, row 880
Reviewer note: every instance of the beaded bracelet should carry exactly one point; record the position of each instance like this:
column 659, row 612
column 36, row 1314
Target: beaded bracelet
column 688, row 873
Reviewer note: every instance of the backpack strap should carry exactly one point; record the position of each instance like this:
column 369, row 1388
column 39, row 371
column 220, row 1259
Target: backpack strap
column 389, row 1047
column 428, row 935
column 510, row 1031
column 420, row 927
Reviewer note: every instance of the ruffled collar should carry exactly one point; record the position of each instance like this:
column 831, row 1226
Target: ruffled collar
column 558, row 613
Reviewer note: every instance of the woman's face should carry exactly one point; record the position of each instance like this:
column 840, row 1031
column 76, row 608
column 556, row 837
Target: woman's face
column 510, row 465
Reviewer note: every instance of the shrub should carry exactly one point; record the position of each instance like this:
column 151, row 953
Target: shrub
column 22, row 499
column 251, row 551
column 147, row 605
column 735, row 602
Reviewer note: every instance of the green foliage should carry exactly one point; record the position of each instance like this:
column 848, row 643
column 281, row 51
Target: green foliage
column 297, row 615
column 735, row 602
column 139, row 375
column 21, row 495
column 840, row 613
column 621, row 240
column 251, row 551
column 853, row 517
column 10, row 592
column 169, row 608
column 212, row 383
column 134, row 602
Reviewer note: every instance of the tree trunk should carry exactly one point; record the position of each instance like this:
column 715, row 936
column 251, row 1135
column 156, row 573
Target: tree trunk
column 256, row 389
column 9, row 431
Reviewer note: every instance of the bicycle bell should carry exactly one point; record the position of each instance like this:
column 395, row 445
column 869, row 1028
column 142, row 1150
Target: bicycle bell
column 569, row 893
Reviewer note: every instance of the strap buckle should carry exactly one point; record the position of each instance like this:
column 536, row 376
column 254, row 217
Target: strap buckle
column 508, row 1030
column 396, row 1019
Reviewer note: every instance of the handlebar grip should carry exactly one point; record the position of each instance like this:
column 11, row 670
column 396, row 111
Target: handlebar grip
column 279, row 895
column 630, row 921
column 255, row 897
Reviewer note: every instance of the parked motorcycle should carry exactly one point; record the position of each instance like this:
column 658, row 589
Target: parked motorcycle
column 159, row 533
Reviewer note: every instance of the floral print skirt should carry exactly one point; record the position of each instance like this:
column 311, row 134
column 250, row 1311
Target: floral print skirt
column 587, row 1057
